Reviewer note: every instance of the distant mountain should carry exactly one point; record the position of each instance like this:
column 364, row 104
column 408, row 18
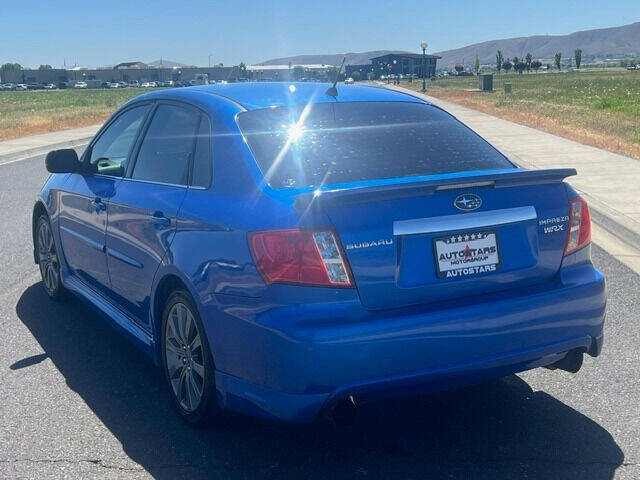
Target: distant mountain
column 614, row 42
column 595, row 44
column 331, row 59
column 166, row 64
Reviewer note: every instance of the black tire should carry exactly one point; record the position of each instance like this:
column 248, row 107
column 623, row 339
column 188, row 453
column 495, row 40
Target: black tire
column 48, row 260
column 207, row 406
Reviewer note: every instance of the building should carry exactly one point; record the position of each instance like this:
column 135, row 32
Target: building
column 125, row 65
column 285, row 72
column 121, row 74
column 405, row 64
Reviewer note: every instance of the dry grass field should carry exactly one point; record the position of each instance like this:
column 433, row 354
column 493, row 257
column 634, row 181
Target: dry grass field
column 599, row 108
column 41, row 111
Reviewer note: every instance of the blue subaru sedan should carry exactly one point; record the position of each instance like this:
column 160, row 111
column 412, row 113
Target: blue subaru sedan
column 291, row 250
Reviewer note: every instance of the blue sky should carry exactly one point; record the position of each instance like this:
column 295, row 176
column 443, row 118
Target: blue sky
column 95, row 33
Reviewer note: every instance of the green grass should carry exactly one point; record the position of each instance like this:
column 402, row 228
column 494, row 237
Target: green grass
column 602, row 107
column 25, row 113
column 616, row 91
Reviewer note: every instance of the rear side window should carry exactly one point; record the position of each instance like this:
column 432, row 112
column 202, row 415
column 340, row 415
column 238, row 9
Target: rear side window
column 202, row 164
column 332, row 143
column 168, row 146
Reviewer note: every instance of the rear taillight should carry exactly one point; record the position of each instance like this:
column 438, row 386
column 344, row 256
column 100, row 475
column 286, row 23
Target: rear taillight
column 579, row 233
column 299, row 256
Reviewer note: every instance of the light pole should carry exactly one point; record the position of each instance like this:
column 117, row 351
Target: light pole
column 424, row 57
column 209, row 59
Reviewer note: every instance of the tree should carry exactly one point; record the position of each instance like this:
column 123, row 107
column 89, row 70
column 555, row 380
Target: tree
column 371, row 75
column 507, row 65
column 459, row 68
column 536, row 64
column 577, row 54
column 331, row 73
column 520, row 67
column 297, row 72
column 243, row 70
column 558, row 60
column 45, row 66
column 527, row 60
column 499, row 60
column 515, row 60
column 476, row 65
column 10, row 67
column 355, row 75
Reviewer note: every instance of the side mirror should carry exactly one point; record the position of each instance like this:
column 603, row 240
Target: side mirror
column 63, row 161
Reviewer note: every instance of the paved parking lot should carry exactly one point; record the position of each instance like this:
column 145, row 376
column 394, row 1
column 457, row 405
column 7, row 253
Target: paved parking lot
column 77, row 401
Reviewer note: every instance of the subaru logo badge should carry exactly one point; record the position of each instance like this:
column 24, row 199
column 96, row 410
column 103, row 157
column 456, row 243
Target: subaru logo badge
column 467, row 202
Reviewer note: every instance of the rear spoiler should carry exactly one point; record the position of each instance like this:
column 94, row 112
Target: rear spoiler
column 404, row 188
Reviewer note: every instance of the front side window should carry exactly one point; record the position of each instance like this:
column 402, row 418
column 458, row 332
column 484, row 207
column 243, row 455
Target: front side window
column 110, row 152
column 168, row 146
column 329, row 143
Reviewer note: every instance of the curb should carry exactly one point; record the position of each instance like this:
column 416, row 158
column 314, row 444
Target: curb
column 32, row 152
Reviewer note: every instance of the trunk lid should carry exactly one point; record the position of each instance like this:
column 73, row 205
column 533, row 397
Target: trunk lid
column 449, row 237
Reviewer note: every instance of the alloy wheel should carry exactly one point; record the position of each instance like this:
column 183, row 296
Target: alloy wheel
column 184, row 356
column 48, row 258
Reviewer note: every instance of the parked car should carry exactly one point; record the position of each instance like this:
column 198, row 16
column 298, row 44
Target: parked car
column 134, row 83
column 114, row 85
column 149, row 84
column 105, row 85
column 348, row 81
column 35, row 86
column 21, row 87
column 63, row 85
column 291, row 289
column 80, row 85
column 9, row 86
column 50, row 86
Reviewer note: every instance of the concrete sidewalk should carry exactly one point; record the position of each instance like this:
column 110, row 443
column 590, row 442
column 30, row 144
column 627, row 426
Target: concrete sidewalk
column 609, row 182
column 24, row 147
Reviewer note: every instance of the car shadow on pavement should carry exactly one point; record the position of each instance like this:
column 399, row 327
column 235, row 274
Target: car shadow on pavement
column 498, row 430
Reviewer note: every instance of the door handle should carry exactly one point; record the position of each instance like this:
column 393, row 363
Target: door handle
column 98, row 204
column 159, row 219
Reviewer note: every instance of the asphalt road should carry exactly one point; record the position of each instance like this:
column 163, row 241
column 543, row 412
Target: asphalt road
column 77, row 401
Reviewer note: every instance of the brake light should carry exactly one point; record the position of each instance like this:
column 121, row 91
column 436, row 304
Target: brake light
column 299, row 256
column 579, row 233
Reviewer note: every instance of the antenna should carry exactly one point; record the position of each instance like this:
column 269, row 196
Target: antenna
column 332, row 90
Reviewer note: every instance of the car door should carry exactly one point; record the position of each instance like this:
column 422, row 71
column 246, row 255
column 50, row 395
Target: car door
column 143, row 211
column 85, row 197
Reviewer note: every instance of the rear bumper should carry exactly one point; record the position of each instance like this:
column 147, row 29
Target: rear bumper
column 318, row 356
column 245, row 397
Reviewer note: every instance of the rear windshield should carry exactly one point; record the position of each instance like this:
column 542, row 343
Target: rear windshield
column 353, row 141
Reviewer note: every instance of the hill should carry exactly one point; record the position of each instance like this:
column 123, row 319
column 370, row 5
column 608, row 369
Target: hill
column 166, row 64
column 601, row 43
column 330, row 59
column 614, row 42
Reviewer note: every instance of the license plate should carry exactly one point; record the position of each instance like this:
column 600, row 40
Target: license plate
column 466, row 254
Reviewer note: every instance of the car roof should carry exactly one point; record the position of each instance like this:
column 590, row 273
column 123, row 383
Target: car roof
column 257, row 95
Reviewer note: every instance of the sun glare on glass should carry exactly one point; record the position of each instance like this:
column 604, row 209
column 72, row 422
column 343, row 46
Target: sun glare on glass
column 294, row 132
